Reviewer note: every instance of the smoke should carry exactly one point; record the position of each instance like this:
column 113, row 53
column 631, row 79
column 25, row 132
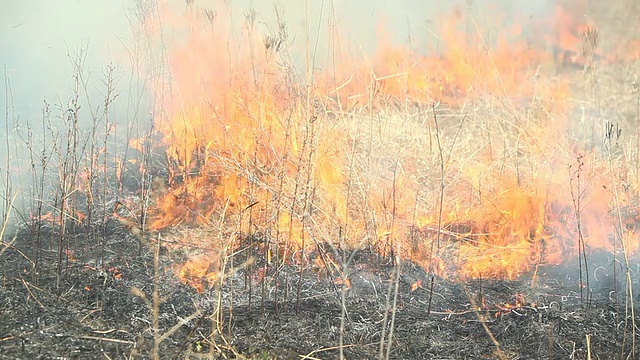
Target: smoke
column 405, row 22
column 40, row 44
column 37, row 38
column 40, row 41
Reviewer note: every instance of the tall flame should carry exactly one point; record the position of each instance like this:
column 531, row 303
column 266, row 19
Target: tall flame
column 353, row 154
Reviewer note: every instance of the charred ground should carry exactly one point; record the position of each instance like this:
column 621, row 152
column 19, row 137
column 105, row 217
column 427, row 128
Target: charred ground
column 95, row 310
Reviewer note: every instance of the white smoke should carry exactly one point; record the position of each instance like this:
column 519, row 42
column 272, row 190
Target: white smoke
column 40, row 40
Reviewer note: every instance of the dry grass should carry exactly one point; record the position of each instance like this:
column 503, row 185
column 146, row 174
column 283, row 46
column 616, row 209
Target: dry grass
column 377, row 173
column 382, row 157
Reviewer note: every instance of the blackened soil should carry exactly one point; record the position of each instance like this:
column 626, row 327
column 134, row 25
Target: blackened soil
column 97, row 304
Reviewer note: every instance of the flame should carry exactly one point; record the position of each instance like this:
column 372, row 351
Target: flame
column 198, row 272
column 339, row 158
column 506, row 308
column 465, row 68
column 53, row 218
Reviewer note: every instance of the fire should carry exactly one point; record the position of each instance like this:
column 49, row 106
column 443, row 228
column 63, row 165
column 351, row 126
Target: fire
column 466, row 68
column 55, row 219
column 349, row 155
column 198, row 272
column 519, row 302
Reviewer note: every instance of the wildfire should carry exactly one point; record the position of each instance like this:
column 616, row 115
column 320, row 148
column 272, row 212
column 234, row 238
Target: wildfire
column 507, row 308
column 351, row 155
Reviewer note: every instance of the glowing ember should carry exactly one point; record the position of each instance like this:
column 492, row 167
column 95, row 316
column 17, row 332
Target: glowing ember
column 507, row 308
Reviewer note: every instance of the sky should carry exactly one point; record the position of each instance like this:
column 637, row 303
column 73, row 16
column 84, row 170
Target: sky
column 36, row 37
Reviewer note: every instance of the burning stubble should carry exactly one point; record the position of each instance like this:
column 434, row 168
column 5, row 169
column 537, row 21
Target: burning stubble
column 476, row 147
column 345, row 154
column 342, row 150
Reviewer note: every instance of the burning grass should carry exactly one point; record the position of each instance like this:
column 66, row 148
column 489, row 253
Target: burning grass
column 415, row 173
column 350, row 157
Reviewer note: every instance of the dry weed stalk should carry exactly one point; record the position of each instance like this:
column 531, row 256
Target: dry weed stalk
column 577, row 194
column 5, row 223
column 612, row 136
column 154, row 306
column 391, row 305
column 6, row 177
column 67, row 161
column 440, row 208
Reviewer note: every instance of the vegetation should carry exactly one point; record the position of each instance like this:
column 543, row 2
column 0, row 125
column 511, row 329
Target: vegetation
column 482, row 162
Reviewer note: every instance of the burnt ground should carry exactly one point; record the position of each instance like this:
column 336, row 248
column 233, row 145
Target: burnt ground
column 90, row 312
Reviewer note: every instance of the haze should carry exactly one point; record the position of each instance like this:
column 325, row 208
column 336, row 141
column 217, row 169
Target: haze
column 39, row 40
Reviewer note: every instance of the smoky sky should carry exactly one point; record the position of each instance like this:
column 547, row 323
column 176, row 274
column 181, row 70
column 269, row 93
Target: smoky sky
column 36, row 37
column 39, row 39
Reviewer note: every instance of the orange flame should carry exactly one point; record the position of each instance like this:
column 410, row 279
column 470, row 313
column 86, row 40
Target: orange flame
column 342, row 159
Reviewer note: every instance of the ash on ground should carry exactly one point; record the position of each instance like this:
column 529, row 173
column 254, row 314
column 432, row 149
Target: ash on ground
column 99, row 306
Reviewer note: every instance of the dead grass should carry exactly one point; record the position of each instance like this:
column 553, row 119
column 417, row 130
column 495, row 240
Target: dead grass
column 380, row 176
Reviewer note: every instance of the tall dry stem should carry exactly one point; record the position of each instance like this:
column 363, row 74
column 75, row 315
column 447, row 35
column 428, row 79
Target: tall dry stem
column 611, row 140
